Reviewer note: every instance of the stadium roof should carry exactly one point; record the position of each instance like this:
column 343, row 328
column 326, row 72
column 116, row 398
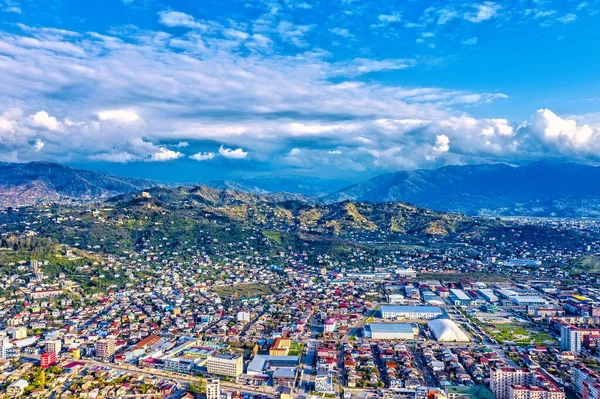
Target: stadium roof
column 447, row 331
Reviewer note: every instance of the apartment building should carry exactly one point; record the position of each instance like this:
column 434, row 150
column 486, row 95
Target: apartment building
column 516, row 383
column 225, row 365
column 105, row 348
column 213, row 388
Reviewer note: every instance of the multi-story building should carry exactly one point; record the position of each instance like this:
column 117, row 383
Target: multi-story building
column 514, row 383
column 573, row 337
column 502, row 378
column 585, row 381
column 105, row 348
column 47, row 359
column 213, row 388
column 226, row 365
column 5, row 345
column 281, row 347
column 53, row 346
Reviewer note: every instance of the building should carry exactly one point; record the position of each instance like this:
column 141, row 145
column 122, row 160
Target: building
column 5, row 345
column 54, row 345
column 243, row 316
column 329, row 325
column 105, row 348
column 45, row 294
column 583, row 379
column 213, row 388
column 281, row 347
column 263, row 365
column 390, row 331
column 511, row 383
column 459, row 297
column 19, row 332
column 410, row 312
column 179, row 365
column 324, row 381
column 47, row 359
column 17, row 388
column 572, row 337
column 225, row 365
column 445, row 330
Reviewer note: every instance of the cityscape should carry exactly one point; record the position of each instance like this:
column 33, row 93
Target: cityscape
column 299, row 199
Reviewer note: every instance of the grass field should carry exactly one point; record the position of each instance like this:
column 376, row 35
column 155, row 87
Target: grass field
column 295, row 349
column 244, row 290
column 511, row 332
column 273, row 236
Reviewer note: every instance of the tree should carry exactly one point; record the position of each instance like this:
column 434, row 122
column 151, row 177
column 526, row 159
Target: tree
column 197, row 387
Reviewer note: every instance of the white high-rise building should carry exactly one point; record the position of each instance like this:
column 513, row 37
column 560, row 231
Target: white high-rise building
column 213, row 388
column 54, row 345
column 5, row 345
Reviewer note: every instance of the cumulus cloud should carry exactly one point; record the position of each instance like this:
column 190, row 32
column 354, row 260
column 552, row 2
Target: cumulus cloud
column 163, row 155
column 299, row 109
column 174, row 19
column 230, row 153
column 43, row 120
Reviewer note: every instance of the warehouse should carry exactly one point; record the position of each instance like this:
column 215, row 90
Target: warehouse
column 390, row 331
column 445, row 330
column 410, row 312
column 459, row 297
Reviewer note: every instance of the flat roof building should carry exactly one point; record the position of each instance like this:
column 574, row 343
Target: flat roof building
column 390, row 331
column 410, row 312
column 225, row 365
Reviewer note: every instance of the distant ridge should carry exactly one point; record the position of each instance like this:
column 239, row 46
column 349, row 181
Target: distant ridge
column 538, row 189
column 34, row 183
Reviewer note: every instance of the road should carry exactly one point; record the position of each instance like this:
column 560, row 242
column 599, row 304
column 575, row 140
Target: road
column 181, row 378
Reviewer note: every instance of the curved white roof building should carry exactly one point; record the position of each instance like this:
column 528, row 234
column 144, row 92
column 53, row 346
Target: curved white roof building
column 447, row 331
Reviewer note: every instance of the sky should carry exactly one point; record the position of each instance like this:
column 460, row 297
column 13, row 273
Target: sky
column 222, row 89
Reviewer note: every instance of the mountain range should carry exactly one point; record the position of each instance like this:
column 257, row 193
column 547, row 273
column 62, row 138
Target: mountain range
column 25, row 184
column 539, row 189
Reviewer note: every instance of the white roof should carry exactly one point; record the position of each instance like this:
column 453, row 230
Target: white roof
column 447, row 331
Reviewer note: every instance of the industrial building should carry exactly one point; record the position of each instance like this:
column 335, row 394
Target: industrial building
column 390, row 331
column 410, row 312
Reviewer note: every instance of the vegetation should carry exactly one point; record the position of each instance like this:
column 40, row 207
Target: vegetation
column 244, row 291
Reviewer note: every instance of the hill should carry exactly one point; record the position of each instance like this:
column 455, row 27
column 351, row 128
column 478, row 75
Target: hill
column 24, row 184
column 539, row 189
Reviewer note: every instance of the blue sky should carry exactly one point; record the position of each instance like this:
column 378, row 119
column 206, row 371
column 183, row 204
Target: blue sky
column 194, row 90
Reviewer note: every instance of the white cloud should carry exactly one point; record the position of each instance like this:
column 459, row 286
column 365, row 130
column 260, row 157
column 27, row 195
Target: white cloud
column 163, row 155
column 12, row 6
column 115, row 157
column 38, row 145
column 342, row 32
column 469, row 42
column 292, row 33
column 568, row 18
column 563, row 134
column 203, row 156
column 389, row 17
column 238, row 153
column 174, row 19
column 121, row 115
column 483, row 12
column 43, row 120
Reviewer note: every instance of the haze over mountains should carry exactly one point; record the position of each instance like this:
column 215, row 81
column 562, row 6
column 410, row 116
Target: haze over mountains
column 539, row 189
